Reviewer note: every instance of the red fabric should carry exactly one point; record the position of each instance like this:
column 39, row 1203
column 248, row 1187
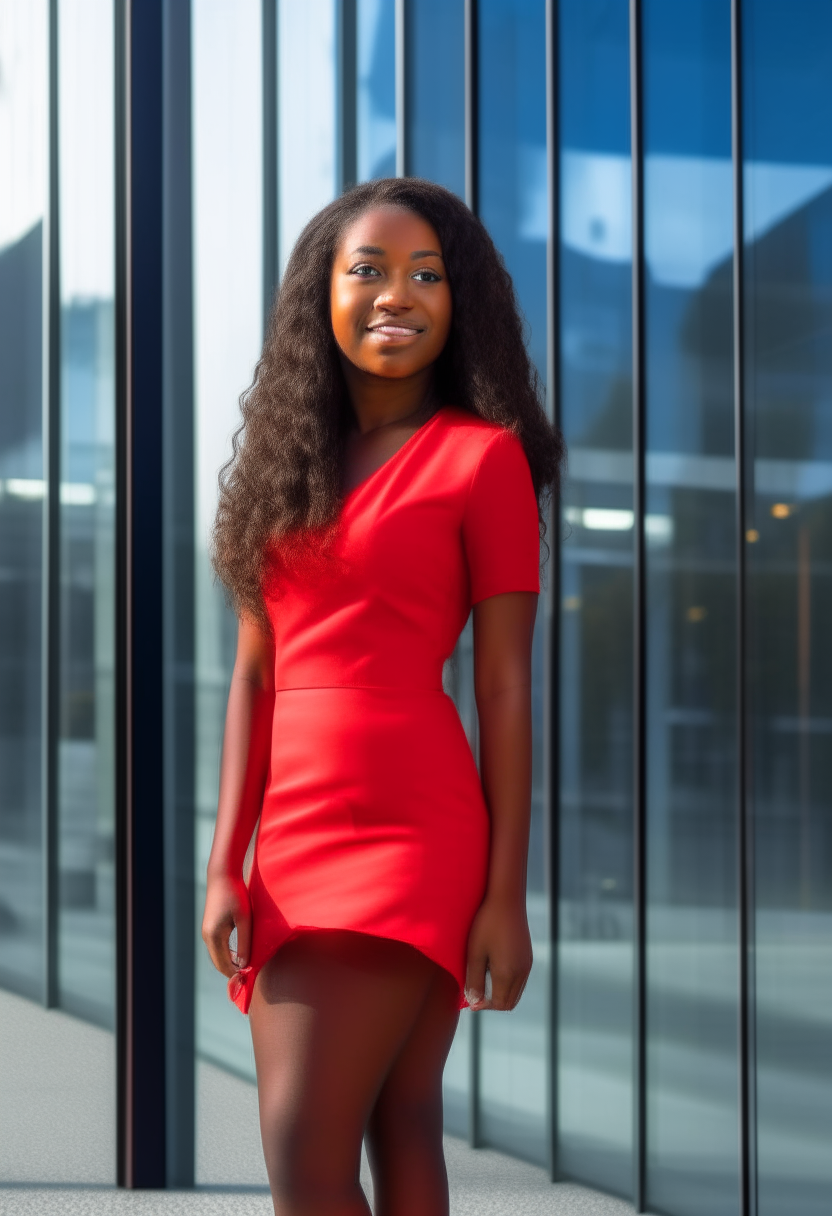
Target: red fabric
column 373, row 817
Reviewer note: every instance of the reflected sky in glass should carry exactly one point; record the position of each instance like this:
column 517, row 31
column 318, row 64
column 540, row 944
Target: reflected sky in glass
column 23, row 168
column 376, row 102
column 596, row 693
column 435, row 80
column 228, row 329
column 86, row 747
column 691, row 924
column 788, row 221
column 306, row 115
column 513, row 204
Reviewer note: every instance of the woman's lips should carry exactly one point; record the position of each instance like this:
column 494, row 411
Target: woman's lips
column 395, row 331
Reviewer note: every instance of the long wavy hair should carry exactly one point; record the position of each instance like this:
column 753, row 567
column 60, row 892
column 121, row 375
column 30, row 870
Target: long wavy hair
column 284, row 475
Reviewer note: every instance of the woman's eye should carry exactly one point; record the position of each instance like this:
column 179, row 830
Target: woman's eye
column 427, row 276
column 364, row 271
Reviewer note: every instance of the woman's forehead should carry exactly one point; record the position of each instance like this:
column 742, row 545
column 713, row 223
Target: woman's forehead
column 389, row 226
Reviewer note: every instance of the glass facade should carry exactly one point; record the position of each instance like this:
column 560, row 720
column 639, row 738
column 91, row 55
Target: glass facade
column 787, row 225
column 595, row 697
column 672, row 1043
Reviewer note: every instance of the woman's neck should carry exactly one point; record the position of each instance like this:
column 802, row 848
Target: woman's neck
column 383, row 401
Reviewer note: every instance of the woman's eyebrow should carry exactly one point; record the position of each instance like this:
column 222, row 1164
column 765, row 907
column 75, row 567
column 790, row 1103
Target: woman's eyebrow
column 379, row 252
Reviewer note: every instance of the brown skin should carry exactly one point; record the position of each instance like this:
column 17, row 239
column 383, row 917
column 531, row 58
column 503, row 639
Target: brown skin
column 402, row 285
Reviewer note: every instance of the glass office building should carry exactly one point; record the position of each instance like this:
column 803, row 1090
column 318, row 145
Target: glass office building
column 658, row 178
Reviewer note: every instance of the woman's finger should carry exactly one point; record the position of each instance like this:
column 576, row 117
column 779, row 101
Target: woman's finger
column 475, row 980
column 243, row 925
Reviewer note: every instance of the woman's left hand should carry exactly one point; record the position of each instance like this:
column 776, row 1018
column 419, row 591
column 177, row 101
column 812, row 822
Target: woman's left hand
column 499, row 942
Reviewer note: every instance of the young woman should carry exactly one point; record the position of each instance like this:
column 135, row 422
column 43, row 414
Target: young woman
column 390, row 473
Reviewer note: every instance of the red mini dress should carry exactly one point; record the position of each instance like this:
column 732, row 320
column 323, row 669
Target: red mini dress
column 373, row 818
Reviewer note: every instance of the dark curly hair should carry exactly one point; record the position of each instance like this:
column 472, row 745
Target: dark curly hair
column 284, row 475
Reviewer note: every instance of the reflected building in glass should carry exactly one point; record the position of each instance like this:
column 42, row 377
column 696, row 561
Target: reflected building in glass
column 658, row 179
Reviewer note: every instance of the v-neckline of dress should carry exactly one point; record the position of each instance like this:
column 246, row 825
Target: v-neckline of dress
column 390, row 459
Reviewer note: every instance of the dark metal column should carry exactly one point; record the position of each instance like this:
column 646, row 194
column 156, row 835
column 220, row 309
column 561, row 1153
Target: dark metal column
column 140, row 934
column 401, row 87
column 745, row 855
column 471, row 106
column 178, row 598
column 347, row 85
column 639, row 608
column 51, row 584
column 551, row 700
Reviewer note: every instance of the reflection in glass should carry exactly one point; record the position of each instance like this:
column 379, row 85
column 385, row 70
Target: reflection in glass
column 788, row 219
column 376, row 102
column 435, row 81
column 23, row 169
column 514, row 205
column 86, row 743
column 596, row 679
column 228, row 325
column 307, row 135
column 691, row 925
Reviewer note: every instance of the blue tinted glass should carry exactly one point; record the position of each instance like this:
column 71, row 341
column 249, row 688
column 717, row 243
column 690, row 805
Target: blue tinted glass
column 86, row 746
column 691, row 924
column 306, row 142
column 514, row 204
column 23, row 164
column 228, row 330
column 376, row 102
column 596, row 586
column 787, row 58
column 435, row 79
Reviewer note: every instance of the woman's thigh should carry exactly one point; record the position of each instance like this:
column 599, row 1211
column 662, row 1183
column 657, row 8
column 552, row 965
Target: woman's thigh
column 330, row 1014
column 404, row 1132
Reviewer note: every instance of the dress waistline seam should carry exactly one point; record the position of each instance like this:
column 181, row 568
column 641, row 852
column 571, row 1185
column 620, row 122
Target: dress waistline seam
column 368, row 687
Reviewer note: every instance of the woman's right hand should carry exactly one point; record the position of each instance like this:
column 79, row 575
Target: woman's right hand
column 227, row 906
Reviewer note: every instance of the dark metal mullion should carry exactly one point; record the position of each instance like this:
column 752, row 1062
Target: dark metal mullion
column 639, row 632
column 121, row 113
column 269, row 36
column 551, row 698
column 51, row 585
column 401, row 87
column 471, row 106
column 140, row 877
column 178, row 600
column 347, row 95
column 745, row 860
column 471, row 198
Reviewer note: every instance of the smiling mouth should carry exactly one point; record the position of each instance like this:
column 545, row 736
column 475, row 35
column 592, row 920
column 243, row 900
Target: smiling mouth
column 395, row 331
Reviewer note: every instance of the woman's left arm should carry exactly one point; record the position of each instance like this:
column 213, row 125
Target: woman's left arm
column 499, row 940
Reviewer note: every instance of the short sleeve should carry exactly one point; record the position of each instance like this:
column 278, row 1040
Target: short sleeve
column 500, row 528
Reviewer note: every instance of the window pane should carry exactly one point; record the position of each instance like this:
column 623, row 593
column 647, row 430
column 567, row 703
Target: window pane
column 86, row 743
column 788, row 221
column 435, row 81
column 228, row 326
column 514, row 205
column 691, row 925
column 307, row 135
column 596, row 678
column 23, row 176
column 376, row 108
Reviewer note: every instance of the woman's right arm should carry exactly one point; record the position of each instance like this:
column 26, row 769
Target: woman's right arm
column 245, row 764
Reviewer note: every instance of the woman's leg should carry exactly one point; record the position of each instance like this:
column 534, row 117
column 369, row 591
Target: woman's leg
column 404, row 1133
column 330, row 1014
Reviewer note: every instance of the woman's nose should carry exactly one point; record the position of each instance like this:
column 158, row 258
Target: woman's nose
column 395, row 293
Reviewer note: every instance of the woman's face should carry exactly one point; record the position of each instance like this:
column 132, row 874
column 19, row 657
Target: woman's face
column 390, row 299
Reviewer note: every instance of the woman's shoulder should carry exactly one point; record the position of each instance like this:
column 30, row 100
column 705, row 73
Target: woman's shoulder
column 470, row 432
